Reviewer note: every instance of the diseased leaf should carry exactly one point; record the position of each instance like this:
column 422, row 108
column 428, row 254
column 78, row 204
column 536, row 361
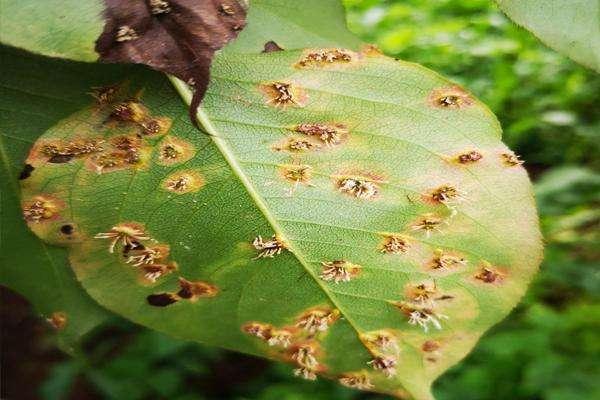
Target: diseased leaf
column 354, row 216
column 403, row 227
column 571, row 27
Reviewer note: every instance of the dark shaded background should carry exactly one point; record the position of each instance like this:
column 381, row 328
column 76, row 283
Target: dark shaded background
column 548, row 348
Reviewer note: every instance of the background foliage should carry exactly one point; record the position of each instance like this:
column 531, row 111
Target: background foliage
column 546, row 349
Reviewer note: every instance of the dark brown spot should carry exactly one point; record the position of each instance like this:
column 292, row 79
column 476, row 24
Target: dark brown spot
column 60, row 158
column 67, row 229
column 161, row 299
column 271, row 46
column 26, row 172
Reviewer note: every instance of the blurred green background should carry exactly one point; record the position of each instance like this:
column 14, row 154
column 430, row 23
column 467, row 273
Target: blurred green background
column 548, row 348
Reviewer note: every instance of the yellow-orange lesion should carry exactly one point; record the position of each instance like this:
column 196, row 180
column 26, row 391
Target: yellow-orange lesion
column 183, row 182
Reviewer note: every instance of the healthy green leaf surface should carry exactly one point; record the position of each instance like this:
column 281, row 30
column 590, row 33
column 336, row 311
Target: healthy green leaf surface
column 31, row 103
column 571, row 27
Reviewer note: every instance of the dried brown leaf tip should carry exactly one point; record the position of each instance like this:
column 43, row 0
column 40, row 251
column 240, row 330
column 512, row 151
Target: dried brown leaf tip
column 444, row 261
column 174, row 150
column 183, row 182
column 395, row 244
column 58, row 320
column 326, row 57
column 450, row 97
column 428, row 223
column 194, row 290
column 469, row 157
column 356, row 380
column 269, row 334
column 129, row 234
column 268, row 248
column 317, row 320
column 178, row 37
column 305, row 358
column 283, row 94
column 488, row 274
column 41, row 209
column 384, row 364
column 511, row 159
column 339, row 271
column 330, row 134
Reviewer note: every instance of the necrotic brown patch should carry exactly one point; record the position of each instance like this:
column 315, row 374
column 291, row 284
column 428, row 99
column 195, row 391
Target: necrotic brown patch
column 26, row 172
column 194, row 290
column 161, row 299
column 330, row 134
column 41, row 209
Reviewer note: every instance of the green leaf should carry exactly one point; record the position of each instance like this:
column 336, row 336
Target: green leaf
column 30, row 104
column 571, row 27
column 348, row 174
column 54, row 28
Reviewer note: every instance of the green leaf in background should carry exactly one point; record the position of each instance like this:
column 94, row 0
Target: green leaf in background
column 571, row 27
column 403, row 227
column 54, row 28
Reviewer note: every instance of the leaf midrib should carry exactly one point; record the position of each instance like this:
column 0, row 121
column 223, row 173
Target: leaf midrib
column 223, row 147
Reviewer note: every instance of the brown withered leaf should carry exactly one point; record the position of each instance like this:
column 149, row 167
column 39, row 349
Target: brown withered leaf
column 178, row 37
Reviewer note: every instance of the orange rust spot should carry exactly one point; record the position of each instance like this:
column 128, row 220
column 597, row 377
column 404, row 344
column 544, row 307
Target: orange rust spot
column 156, row 126
column 296, row 145
column 395, row 244
column 469, row 157
column 135, row 112
column 173, row 150
column 317, row 319
column 488, row 274
column 58, row 320
column 511, row 159
column 105, row 95
column 41, row 209
column 283, row 94
column 330, row 134
column 326, row 57
column 360, row 184
column 385, row 364
column 380, row 342
column 296, row 173
column 339, row 271
column 371, row 50
column 183, row 182
column 154, row 271
column 194, row 290
column 130, row 234
column 431, row 346
column 268, row 333
column 428, row 223
column 59, row 151
column 446, row 260
column 450, row 97
column 356, row 380
column 268, row 248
